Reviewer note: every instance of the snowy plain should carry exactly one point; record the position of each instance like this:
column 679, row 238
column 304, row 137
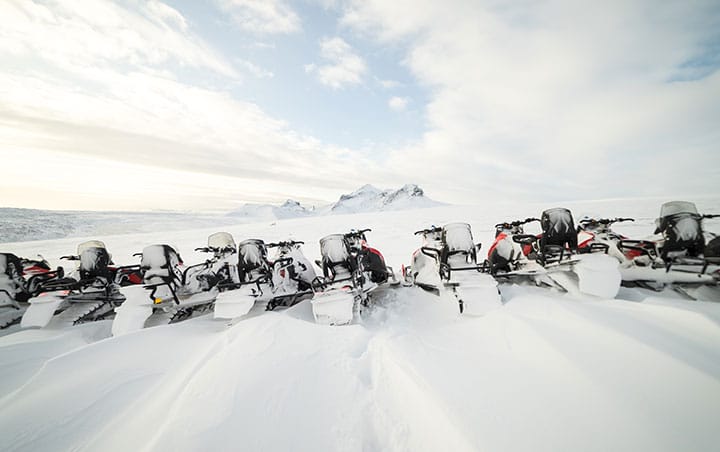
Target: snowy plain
column 545, row 372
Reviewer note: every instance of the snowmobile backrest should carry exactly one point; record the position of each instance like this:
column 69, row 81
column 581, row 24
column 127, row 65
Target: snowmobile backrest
column 221, row 241
column 334, row 249
column 94, row 262
column 159, row 261
column 252, row 254
column 558, row 228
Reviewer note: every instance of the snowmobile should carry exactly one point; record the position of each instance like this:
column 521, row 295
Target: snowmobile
column 685, row 257
column 351, row 271
column 551, row 258
column 91, row 292
column 292, row 275
column 447, row 264
column 282, row 281
column 223, row 248
column 170, row 292
column 20, row 280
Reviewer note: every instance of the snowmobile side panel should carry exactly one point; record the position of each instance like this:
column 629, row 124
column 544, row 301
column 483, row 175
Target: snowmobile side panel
column 134, row 311
column 598, row 275
column 334, row 307
column 41, row 310
column 235, row 303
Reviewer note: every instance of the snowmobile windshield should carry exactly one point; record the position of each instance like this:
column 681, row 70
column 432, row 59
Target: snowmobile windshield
column 334, row 248
column 458, row 237
column 221, row 241
column 252, row 252
column 159, row 256
column 89, row 244
column 676, row 207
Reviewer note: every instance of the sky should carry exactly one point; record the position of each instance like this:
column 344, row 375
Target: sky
column 205, row 105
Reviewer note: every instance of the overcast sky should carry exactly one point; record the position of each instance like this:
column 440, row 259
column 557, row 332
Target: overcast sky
column 208, row 104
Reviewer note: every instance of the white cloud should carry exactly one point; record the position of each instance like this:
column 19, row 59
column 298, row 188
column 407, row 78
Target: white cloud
column 556, row 99
column 262, row 16
column 344, row 67
column 398, row 103
column 389, row 84
column 94, row 83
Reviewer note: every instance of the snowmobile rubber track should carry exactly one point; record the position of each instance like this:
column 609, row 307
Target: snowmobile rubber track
column 96, row 313
column 77, row 311
column 190, row 312
column 7, row 319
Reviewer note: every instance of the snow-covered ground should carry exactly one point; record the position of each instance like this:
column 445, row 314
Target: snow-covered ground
column 546, row 371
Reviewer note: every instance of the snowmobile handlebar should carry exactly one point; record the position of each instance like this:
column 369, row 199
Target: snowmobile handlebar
column 517, row 222
column 70, row 258
column 428, row 230
column 285, row 243
column 711, row 215
column 604, row 221
column 358, row 232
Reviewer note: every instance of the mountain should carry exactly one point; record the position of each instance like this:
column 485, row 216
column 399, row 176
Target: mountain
column 289, row 209
column 372, row 199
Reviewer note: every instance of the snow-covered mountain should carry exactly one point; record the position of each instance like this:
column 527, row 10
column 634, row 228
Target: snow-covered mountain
column 365, row 199
column 18, row 225
column 289, row 209
column 372, row 199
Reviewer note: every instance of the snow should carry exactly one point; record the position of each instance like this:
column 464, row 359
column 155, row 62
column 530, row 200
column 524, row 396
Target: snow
column 544, row 372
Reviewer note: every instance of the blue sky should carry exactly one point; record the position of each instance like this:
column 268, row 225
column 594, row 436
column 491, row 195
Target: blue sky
column 208, row 104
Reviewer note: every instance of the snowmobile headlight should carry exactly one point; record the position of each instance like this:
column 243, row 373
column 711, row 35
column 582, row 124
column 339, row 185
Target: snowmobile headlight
column 157, row 301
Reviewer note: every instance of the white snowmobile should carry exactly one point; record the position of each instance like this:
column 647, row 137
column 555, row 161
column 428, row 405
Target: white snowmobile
column 685, row 257
column 170, row 292
column 281, row 282
column 447, row 265
column 20, row 280
column 551, row 259
column 91, row 292
column 351, row 271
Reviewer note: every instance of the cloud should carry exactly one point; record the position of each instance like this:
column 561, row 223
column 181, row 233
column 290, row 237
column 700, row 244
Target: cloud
column 344, row 67
column 549, row 99
column 94, row 83
column 262, row 16
column 398, row 103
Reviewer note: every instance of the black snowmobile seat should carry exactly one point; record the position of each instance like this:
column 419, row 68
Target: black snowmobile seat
column 558, row 229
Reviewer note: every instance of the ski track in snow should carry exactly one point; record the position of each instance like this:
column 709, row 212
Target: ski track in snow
column 545, row 372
